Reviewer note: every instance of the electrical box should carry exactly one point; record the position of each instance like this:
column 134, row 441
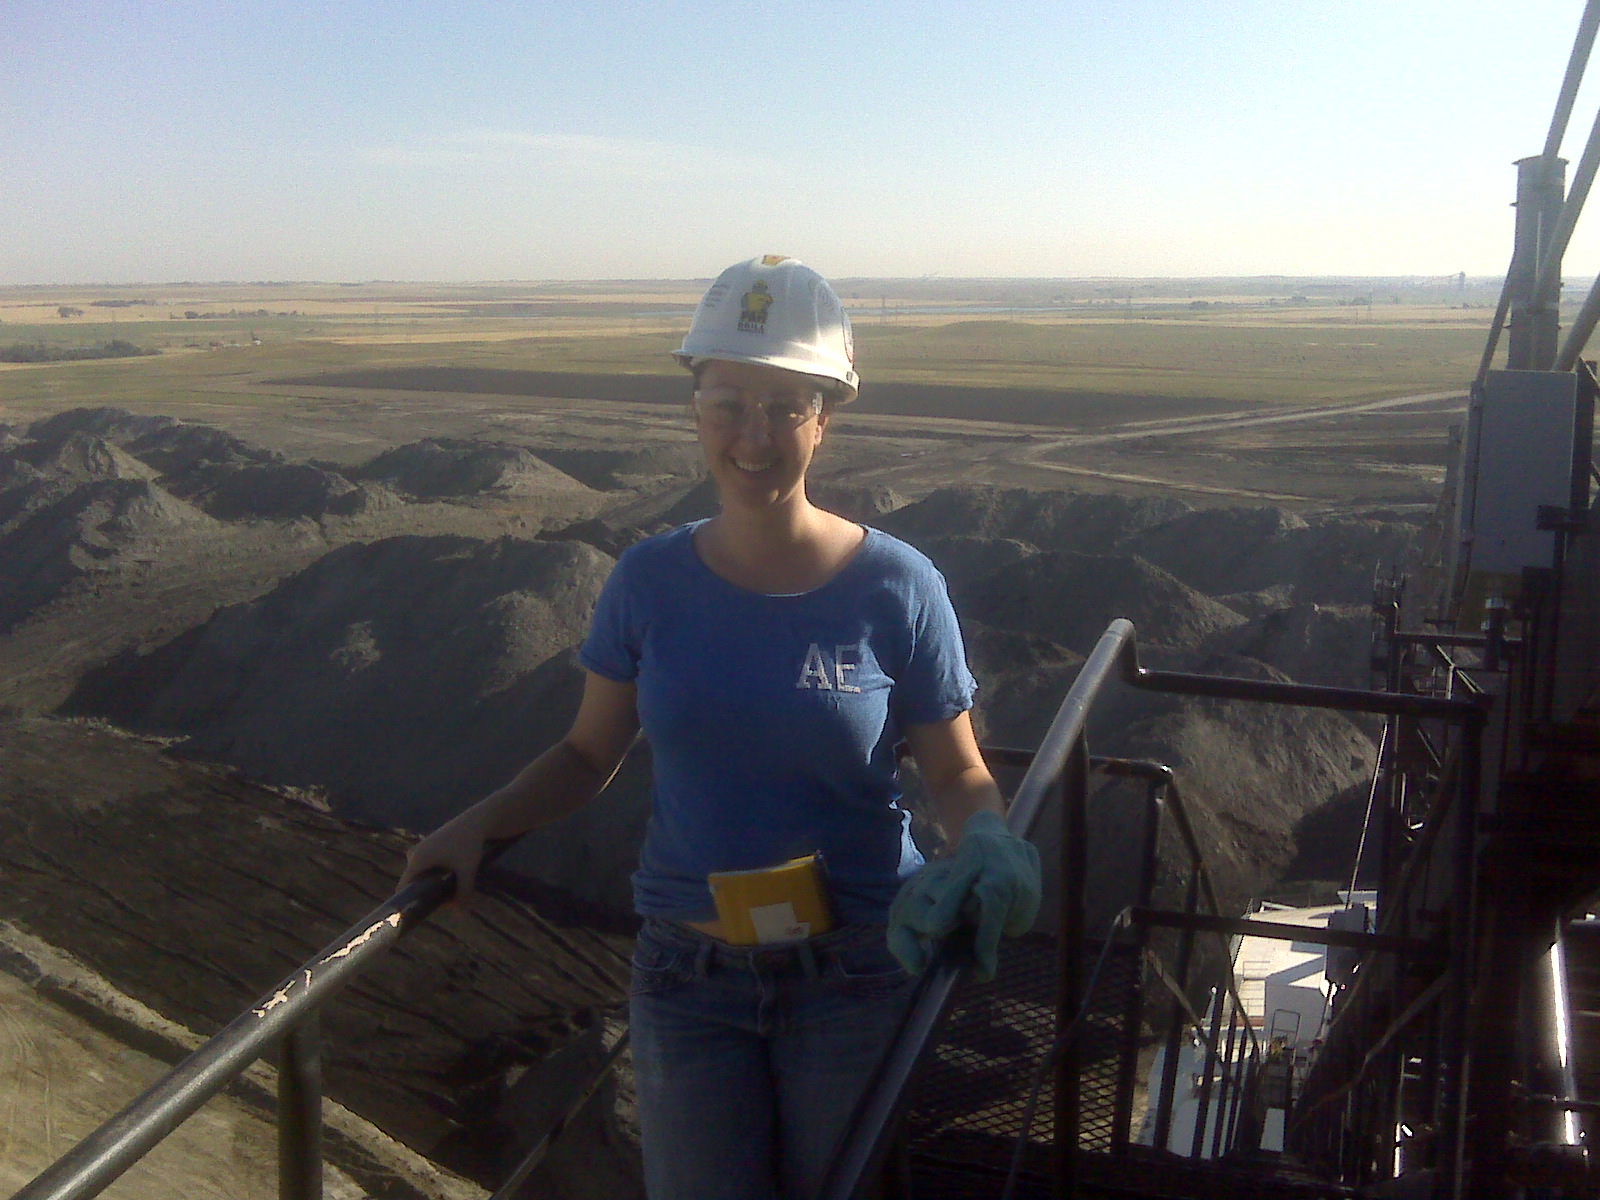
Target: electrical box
column 1519, row 454
column 1343, row 960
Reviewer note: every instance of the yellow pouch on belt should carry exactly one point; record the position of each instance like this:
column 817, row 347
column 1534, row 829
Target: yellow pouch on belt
column 786, row 903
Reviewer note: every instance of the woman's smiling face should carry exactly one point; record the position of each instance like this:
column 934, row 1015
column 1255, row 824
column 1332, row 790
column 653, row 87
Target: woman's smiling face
column 760, row 427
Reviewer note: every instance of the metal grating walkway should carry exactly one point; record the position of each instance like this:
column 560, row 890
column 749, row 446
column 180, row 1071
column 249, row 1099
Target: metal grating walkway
column 969, row 1104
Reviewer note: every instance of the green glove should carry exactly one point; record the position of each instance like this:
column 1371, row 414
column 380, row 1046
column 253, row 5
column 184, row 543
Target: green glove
column 992, row 878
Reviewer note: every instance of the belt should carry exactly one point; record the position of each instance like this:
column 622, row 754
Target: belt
column 785, row 959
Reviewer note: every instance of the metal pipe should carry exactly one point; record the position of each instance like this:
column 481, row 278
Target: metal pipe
column 1549, row 273
column 1561, row 1032
column 1230, row 1091
column 1582, row 328
column 94, row 1163
column 1128, row 1066
column 1296, row 695
column 1282, row 931
column 1245, row 1084
column 1495, row 328
column 1069, row 960
column 1169, row 1061
column 300, row 1111
column 1197, row 1143
column 511, row 1186
column 1577, row 61
column 1066, row 727
column 1463, row 941
column 1534, row 319
column 1116, row 650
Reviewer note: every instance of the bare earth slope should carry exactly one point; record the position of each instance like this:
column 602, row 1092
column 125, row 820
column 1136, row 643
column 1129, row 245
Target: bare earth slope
column 194, row 892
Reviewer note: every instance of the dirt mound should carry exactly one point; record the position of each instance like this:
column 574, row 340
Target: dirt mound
column 1251, row 773
column 274, row 491
column 606, row 537
column 90, row 529
column 34, row 475
column 1310, row 643
column 1071, row 598
column 609, row 469
column 965, row 559
column 438, row 468
column 112, row 424
column 180, row 448
column 855, row 501
column 1268, row 556
column 195, row 892
column 407, row 676
column 83, row 458
column 667, row 507
column 1084, row 522
column 1320, row 559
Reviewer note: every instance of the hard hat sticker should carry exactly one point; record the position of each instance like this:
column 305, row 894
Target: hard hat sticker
column 772, row 260
column 753, row 306
column 715, row 295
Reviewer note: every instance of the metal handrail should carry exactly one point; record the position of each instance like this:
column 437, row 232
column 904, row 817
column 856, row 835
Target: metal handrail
column 95, row 1162
column 1064, row 743
column 875, row 1115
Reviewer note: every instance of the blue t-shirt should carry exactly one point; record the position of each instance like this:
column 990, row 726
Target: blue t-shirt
column 773, row 720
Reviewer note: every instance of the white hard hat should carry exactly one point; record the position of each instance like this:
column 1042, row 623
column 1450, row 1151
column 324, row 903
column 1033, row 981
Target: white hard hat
column 776, row 312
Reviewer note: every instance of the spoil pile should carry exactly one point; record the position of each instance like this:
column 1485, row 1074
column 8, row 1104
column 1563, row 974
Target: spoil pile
column 609, row 469
column 73, row 505
column 411, row 675
column 120, row 531
column 235, row 885
column 441, row 468
column 407, row 676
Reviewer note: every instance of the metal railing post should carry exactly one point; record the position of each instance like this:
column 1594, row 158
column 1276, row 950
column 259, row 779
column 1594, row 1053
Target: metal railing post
column 1227, row 1103
column 1133, row 1013
column 1458, row 1021
column 1069, row 959
column 1197, row 1143
column 1169, row 1057
column 300, row 1111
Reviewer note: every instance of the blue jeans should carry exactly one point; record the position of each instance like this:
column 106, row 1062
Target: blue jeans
column 749, row 1061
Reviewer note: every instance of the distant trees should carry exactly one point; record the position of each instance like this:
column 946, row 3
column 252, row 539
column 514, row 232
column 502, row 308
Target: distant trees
column 66, row 310
column 38, row 352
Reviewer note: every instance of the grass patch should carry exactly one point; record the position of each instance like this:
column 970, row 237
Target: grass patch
column 1235, row 356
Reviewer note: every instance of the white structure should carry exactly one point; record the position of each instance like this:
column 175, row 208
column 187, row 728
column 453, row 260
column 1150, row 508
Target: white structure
column 1285, row 990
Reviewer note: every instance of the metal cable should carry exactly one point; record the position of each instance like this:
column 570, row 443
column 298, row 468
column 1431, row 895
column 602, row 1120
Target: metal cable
column 1366, row 822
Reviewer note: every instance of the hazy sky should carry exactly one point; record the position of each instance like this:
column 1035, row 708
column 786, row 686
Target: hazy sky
column 459, row 139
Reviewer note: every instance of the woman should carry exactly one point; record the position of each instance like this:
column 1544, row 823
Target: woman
column 775, row 656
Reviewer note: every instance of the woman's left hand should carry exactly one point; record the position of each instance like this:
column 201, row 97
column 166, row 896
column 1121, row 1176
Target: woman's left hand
column 992, row 878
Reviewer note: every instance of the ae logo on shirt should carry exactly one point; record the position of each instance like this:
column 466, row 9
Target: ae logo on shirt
column 833, row 674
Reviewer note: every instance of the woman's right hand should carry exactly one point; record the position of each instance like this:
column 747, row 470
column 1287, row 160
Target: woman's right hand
column 457, row 846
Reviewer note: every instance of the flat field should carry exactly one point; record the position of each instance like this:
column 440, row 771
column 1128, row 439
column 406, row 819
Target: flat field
column 1107, row 385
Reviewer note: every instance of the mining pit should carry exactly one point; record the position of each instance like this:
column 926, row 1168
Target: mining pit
column 248, row 650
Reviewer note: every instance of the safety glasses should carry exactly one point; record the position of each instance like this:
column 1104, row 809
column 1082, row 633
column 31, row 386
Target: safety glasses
column 730, row 408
